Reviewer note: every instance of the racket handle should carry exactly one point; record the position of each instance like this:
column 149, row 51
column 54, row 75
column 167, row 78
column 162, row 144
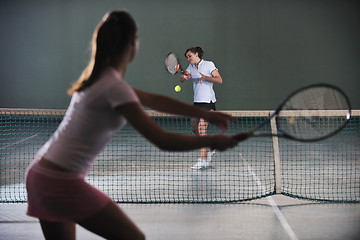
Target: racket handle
column 241, row 136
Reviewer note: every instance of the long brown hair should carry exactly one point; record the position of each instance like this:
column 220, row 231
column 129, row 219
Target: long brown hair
column 110, row 41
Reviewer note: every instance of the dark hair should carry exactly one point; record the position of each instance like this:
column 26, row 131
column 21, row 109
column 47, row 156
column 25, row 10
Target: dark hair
column 197, row 50
column 110, row 41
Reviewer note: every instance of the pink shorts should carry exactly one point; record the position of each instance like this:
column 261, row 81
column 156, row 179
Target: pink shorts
column 61, row 196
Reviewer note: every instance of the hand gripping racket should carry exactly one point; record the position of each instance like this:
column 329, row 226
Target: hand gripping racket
column 309, row 114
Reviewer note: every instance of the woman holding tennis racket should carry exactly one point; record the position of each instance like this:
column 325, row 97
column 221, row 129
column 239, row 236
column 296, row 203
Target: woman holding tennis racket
column 204, row 74
column 102, row 102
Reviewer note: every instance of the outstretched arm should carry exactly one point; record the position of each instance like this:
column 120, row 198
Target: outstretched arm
column 140, row 121
column 170, row 105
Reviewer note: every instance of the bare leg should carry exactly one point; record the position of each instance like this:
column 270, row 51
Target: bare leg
column 58, row 230
column 202, row 127
column 112, row 223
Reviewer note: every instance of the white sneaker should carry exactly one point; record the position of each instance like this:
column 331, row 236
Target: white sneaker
column 201, row 164
column 209, row 155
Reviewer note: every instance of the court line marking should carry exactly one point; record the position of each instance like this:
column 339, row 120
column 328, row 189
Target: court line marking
column 272, row 203
column 18, row 142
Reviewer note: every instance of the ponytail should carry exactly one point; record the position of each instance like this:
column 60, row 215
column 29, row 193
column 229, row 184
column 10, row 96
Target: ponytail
column 110, row 41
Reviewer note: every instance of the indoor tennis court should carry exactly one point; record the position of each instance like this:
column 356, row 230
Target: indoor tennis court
column 264, row 188
column 315, row 181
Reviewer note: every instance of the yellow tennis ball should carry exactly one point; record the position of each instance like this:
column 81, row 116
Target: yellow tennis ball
column 177, row 88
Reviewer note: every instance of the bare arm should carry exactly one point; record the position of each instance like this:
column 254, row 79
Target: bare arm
column 140, row 121
column 216, row 78
column 170, row 105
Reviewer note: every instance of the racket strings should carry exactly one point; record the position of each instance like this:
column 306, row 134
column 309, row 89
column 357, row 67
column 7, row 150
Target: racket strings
column 172, row 64
column 313, row 113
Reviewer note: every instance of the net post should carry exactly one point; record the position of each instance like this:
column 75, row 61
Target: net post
column 276, row 152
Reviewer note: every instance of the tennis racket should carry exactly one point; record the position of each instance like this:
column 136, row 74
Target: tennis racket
column 309, row 114
column 172, row 64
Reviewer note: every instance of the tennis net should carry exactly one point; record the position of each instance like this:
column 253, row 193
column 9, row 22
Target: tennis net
column 132, row 170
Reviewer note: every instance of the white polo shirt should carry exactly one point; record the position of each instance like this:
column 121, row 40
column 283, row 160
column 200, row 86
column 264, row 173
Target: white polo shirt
column 203, row 93
column 89, row 123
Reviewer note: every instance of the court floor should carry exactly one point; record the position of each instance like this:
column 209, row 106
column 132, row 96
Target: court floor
column 275, row 217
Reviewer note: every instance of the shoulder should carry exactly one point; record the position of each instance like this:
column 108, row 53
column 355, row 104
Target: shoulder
column 110, row 83
column 111, row 80
column 209, row 64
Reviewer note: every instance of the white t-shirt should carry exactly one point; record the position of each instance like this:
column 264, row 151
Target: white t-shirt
column 203, row 93
column 89, row 123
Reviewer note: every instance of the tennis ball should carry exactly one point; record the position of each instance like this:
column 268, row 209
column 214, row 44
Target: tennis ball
column 177, row 88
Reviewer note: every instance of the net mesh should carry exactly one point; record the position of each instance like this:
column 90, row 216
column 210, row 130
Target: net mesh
column 132, row 170
column 312, row 117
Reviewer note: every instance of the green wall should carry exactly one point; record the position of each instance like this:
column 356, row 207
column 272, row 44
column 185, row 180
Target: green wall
column 264, row 49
